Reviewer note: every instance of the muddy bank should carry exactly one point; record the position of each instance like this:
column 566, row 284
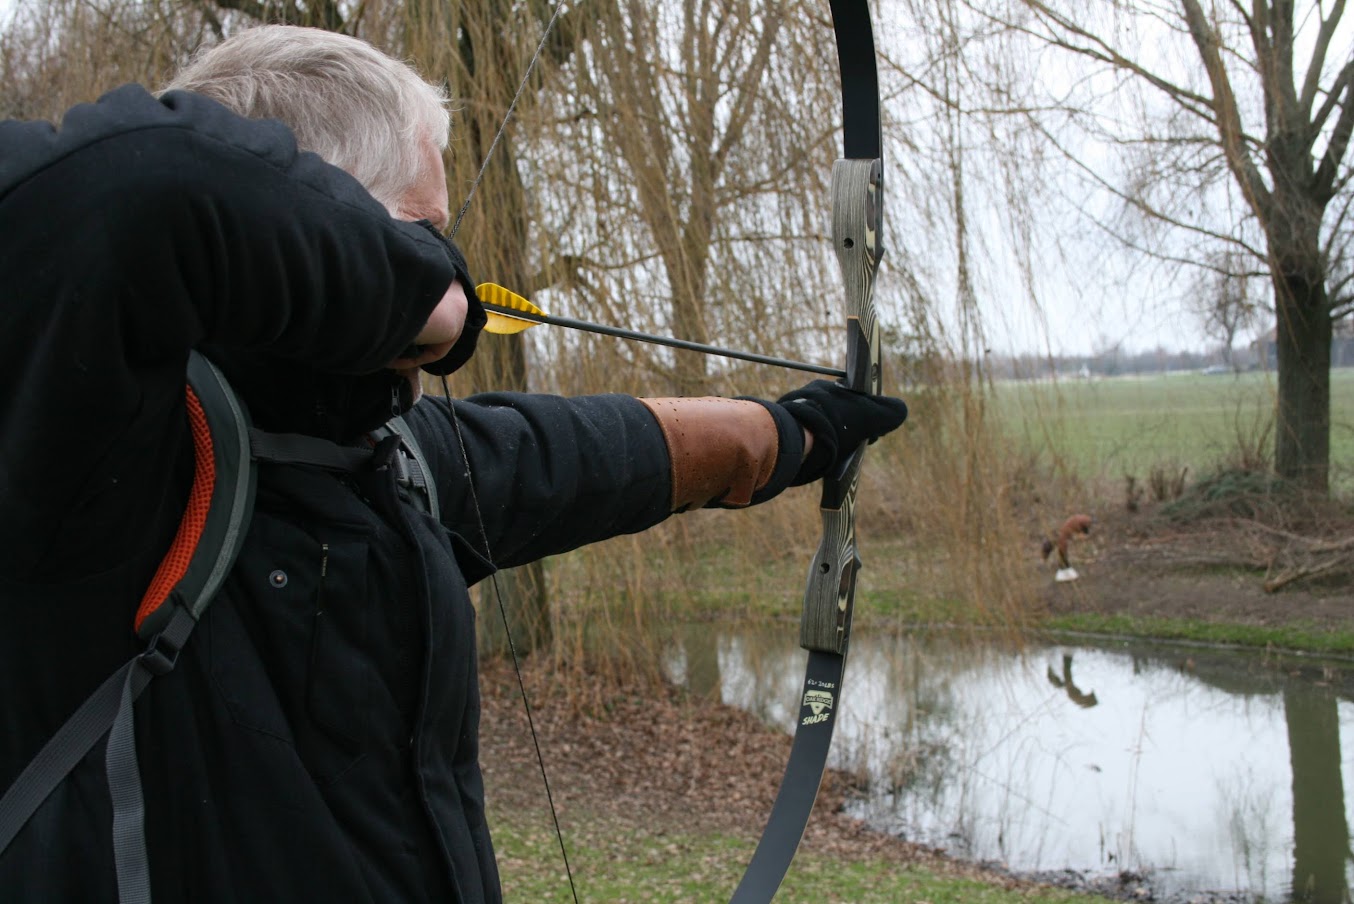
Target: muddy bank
column 1144, row 566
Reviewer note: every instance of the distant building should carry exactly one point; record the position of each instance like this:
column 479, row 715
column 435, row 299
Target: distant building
column 1341, row 346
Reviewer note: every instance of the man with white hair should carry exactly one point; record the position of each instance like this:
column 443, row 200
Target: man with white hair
column 317, row 737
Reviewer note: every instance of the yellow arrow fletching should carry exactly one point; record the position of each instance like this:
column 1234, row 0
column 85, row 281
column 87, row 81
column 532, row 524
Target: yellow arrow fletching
column 503, row 323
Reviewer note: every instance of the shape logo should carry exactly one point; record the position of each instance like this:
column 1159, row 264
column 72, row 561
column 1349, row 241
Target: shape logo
column 820, row 702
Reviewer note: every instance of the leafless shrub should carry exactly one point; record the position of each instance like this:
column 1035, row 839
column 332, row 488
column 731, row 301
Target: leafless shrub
column 1167, row 482
column 1133, row 493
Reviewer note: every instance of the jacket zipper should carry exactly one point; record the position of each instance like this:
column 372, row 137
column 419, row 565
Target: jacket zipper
column 324, row 572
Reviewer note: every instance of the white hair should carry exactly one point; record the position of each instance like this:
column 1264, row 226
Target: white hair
column 343, row 99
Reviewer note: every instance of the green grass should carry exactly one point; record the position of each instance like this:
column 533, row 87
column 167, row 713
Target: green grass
column 618, row 864
column 1129, row 425
column 1307, row 638
column 722, row 581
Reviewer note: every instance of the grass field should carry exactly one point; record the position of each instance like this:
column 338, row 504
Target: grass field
column 623, row 863
column 1111, row 427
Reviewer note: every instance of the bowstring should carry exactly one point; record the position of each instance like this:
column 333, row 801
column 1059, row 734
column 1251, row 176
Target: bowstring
column 507, row 117
column 507, row 632
column 470, row 481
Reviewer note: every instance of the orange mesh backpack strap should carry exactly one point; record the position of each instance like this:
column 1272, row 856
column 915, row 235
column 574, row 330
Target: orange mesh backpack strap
column 204, row 549
column 219, row 506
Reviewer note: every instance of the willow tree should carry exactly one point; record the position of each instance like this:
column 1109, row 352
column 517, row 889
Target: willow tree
column 495, row 56
column 699, row 137
column 55, row 54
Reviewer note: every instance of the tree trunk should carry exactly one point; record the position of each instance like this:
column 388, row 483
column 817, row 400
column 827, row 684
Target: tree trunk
column 470, row 44
column 691, row 374
column 1303, row 340
column 513, row 604
column 1320, row 833
column 500, row 363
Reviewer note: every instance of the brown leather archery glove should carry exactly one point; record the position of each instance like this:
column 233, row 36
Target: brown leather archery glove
column 727, row 453
column 840, row 420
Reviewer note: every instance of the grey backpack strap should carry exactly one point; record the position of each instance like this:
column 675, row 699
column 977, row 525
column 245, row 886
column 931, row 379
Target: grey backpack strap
column 413, row 472
column 108, row 711
column 165, row 623
column 297, row 449
column 404, row 457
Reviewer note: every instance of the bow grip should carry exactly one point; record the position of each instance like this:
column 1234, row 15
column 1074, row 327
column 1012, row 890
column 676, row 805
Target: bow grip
column 857, row 228
column 831, row 589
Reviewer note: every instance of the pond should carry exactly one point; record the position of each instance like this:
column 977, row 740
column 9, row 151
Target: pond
column 1192, row 771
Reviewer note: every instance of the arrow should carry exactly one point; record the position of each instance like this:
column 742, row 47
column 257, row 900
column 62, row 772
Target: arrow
column 510, row 313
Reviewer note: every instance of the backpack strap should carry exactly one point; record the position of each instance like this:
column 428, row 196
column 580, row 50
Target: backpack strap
column 392, row 445
column 220, row 504
column 209, row 537
column 226, row 451
column 412, row 471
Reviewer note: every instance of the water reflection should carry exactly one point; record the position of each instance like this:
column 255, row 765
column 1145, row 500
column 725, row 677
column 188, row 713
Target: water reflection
column 1206, row 771
column 1065, row 682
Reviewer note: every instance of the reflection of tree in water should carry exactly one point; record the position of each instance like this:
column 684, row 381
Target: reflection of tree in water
column 1321, row 847
column 1320, row 832
column 925, row 763
column 701, row 645
column 928, row 713
column 1074, row 693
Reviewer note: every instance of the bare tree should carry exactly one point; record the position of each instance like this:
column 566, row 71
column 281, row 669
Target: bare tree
column 1227, row 301
column 1247, row 145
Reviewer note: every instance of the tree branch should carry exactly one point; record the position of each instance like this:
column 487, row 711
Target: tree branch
column 1332, row 98
column 1145, row 208
column 1324, row 180
column 1311, row 84
column 1228, row 117
column 261, row 12
column 1102, row 51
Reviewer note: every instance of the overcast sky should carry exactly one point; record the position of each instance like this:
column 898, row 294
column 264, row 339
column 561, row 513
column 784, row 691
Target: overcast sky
column 1055, row 282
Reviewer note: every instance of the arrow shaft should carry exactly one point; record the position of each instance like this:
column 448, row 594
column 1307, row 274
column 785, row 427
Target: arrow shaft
column 604, row 330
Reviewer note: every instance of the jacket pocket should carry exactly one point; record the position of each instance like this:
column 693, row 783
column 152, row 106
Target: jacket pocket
column 302, row 600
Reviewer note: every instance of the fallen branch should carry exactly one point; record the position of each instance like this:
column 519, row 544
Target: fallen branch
column 1309, row 571
column 1285, row 557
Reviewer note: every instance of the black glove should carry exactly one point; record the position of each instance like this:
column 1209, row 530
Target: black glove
column 475, row 317
column 840, row 420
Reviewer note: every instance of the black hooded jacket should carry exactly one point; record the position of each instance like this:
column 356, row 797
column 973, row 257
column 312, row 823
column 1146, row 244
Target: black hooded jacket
column 318, row 739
